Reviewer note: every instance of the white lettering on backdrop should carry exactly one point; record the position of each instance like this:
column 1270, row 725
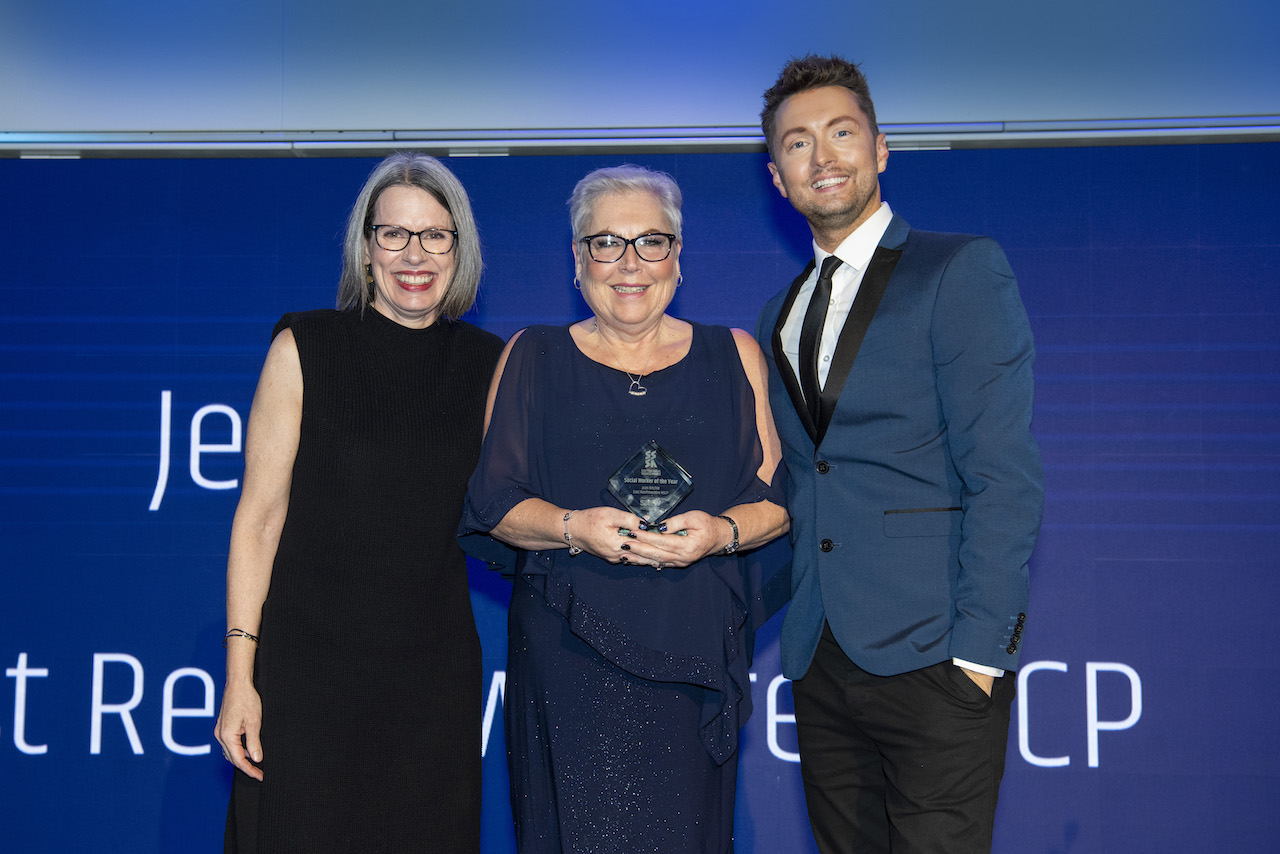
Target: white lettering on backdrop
column 199, row 447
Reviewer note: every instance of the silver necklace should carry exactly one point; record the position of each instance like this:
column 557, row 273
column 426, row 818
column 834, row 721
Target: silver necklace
column 636, row 389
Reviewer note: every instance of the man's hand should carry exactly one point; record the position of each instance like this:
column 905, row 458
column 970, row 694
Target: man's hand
column 982, row 680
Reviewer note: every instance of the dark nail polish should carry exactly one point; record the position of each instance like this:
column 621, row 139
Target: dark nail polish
column 662, row 529
column 626, row 547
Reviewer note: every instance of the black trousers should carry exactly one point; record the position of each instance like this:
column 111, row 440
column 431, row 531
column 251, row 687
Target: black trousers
column 909, row 764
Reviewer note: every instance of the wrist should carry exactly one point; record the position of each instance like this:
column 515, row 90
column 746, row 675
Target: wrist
column 239, row 678
column 568, row 538
column 732, row 545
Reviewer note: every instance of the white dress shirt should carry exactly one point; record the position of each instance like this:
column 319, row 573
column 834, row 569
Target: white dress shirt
column 855, row 251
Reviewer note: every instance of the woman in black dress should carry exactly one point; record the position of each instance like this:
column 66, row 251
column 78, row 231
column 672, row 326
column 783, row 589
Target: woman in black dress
column 629, row 644
column 352, row 704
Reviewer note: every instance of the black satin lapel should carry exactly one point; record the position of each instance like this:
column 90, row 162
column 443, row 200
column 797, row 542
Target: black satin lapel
column 874, row 282
column 788, row 374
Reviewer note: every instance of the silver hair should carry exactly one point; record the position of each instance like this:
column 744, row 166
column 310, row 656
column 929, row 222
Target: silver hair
column 412, row 169
column 627, row 178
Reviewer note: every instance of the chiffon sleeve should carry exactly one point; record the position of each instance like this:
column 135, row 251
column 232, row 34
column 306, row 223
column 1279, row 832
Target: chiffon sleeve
column 765, row 570
column 503, row 477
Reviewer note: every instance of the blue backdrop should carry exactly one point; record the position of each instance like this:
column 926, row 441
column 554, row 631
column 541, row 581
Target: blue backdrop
column 138, row 300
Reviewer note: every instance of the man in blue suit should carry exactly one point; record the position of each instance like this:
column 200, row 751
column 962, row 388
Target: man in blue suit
column 900, row 381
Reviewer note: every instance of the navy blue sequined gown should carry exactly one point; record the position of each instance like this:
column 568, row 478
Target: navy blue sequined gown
column 625, row 686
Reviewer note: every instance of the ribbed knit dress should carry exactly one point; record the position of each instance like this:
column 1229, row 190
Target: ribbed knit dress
column 369, row 661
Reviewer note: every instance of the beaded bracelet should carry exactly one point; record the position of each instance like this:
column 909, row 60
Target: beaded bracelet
column 573, row 550
column 238, row 633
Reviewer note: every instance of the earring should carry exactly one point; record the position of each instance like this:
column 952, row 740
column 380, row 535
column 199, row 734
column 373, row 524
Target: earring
column 577, row 284
column 368, row 281
column 679, row 280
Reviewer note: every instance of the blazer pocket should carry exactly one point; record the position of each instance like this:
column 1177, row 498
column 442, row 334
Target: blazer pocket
column 922, row 522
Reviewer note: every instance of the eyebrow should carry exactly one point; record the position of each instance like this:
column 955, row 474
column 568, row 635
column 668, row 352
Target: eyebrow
column 613, row 232
column 831, row 123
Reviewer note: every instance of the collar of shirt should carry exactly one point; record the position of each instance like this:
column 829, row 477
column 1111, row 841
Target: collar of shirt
column 855, row 251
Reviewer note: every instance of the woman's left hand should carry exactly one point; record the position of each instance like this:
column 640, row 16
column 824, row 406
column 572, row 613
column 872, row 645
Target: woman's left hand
column 703, row 535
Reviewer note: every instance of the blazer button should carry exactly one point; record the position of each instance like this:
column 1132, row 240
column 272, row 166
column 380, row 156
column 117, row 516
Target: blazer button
column 1013, row 647
column 822, row 467
column 1022, row 618
column 826, row 545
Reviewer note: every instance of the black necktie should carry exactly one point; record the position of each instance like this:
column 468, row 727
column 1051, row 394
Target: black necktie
column 811, row 334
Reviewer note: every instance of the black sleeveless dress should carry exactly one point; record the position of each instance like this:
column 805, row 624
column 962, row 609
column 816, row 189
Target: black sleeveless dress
column 369, row 662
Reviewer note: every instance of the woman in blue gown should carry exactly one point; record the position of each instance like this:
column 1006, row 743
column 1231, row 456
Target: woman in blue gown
column 629, row 643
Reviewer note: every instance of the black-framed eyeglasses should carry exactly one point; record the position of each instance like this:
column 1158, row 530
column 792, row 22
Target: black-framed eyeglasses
column 434, row 241
column 607, row 248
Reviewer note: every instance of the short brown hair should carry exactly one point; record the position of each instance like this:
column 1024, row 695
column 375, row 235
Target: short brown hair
column 815, row 72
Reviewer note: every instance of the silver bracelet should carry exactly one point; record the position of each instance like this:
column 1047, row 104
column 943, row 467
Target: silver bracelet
column 574, row 550
column 732, row 547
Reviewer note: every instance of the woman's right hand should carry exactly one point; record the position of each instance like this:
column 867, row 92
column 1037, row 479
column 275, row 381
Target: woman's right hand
column 595, row 530
column 239, row 727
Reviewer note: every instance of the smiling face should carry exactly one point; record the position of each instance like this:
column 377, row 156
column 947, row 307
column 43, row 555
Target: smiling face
column 629, row 294
column 827, row 162
column 409, row 285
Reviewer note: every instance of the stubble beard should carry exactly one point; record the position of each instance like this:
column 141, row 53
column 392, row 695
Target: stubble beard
column 839, row 218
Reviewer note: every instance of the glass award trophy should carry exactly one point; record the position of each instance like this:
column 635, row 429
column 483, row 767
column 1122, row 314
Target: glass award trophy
column 651, row 483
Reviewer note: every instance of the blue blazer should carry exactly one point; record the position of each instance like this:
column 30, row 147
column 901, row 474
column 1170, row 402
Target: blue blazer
column 916, row 498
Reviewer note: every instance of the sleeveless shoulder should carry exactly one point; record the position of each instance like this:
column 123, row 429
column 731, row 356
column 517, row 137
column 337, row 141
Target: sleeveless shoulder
column 539, row 348
column 542, row 340
column 471, row 335
column 304, row 321
column 470, row 349
column 713, row 336
column 715, row 348
column 327, row 330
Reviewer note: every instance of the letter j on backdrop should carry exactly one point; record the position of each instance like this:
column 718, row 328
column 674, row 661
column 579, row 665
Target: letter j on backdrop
column 198, row 445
